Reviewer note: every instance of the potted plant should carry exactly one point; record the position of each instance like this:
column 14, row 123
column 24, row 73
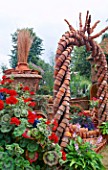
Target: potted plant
column 81, row 156
column 104, row 130
column 26, row 138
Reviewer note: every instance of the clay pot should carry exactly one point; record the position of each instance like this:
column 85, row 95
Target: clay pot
column 105, row 137
column 9, row 71
column 22, row 66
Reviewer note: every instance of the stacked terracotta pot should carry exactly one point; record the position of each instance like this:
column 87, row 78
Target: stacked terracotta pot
column 62, row 75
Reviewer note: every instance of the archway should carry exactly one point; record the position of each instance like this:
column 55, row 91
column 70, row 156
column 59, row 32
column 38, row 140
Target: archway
column 62, row 73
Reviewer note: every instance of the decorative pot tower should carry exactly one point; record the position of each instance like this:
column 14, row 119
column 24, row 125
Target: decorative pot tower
column 22, row 73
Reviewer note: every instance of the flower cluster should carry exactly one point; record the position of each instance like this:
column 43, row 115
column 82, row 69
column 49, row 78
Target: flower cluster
column 94, row 102
column 28, row 138
column 83, row 119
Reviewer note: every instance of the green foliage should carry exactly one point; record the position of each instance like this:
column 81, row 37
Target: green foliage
column 104, row 36
column 80, row 156
column 104, row 128
column 79, row 62
column 79, row 85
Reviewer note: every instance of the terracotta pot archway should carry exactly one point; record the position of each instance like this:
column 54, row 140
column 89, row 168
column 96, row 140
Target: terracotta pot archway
column 68, row 40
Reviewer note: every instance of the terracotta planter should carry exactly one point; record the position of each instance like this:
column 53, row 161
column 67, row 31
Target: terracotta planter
column 105, row 137
column 22, row 66
column 30, row 80
column 83, row 101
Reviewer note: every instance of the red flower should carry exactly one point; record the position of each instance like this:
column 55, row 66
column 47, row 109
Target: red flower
column 55, row 123
column 32, row 104
column 4, row 90
column 3, row 77
column 53, row 137
column 47, row 122
column 2, row 82
column 12, row 92
column 31, row 117
column 1, row 105
column 11, row 100
column 10, row 81
column 63, row 155
column 32, row 93
column 15, row 120
column 27, row 99
column 26, row 88
column 26, row 134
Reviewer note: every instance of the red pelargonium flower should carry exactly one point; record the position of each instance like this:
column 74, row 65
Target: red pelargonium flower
column 2, row 82
column 11, row 100
column 32, row 93
column 9, row 80
column 15, row 120
column 1, row 105
column 26, row 88
column 3, row 77
column 31, row 117
column 12, row 92
column 55, row 125
column 84, row 114
column 47, row 122
column 94, row 99
column 26, row 134
column 32, row 104
column 4, row 90
column 63, row 155
column 27, row 99
column 53, row 137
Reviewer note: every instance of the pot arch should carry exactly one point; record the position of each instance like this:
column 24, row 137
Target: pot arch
column 61, row 89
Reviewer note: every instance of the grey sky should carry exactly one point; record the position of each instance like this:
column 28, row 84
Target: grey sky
column 47, row 19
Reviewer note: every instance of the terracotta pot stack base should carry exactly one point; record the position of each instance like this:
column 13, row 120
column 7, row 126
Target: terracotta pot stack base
column 28, row 78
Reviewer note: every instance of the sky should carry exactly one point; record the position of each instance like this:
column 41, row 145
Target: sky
column 47, row 19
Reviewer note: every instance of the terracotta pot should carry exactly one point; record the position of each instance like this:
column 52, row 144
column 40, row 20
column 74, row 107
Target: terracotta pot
column 9, row 71
column 22, row 66
column 105, row 137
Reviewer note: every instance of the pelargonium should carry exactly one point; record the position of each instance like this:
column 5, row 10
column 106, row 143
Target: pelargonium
column 25, row 135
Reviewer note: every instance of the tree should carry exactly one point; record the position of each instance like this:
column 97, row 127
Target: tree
column 46, row 85
column 3, row 67
column 35, row 51
column 79, row 62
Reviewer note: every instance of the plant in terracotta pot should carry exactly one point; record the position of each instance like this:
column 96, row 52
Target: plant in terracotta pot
column 81, row 156
column 104, row 129
column 94, row 102
column 26, row 138
column 83, row 119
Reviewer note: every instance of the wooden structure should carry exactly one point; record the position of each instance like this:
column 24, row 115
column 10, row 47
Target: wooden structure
column 68, row 40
